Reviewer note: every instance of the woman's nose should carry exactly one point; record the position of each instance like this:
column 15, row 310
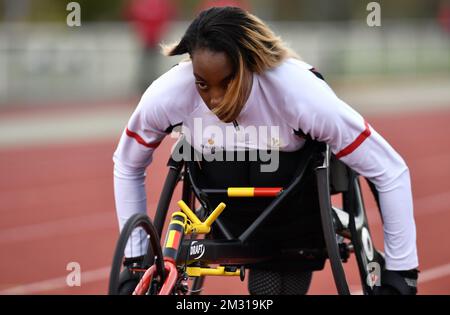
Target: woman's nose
column 215, row 99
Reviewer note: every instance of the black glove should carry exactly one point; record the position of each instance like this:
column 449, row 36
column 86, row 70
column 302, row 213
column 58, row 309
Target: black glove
column 133, row 262
column 129, row 278
column 397, row 283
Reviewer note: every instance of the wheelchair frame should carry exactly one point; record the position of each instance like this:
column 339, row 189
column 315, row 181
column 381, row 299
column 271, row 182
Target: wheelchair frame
column 182, row 261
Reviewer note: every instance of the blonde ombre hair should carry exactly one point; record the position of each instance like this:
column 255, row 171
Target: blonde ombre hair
column 247, row 41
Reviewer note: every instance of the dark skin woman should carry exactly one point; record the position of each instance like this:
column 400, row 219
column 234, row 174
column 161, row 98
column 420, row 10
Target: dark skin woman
column 240, row 75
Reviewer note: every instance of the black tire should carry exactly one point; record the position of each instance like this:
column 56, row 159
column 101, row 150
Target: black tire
column 329, row 233
column 368, row 258
column 328, row 226
column 119, row 282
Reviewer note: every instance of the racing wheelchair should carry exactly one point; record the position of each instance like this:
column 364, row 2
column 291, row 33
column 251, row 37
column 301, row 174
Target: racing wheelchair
column 239, row 228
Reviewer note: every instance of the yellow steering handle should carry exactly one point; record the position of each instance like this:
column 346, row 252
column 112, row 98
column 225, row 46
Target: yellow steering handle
column 197, row 225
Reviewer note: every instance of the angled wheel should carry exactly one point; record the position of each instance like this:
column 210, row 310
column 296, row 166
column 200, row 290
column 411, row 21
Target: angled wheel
column 138, row 238
column 329, row 225
column 370, row 260
column 350, row 223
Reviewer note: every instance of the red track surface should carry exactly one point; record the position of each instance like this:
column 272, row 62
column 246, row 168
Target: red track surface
column 56, row 205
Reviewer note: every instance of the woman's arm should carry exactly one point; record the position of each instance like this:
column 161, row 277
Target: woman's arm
column 314, row 108
column 145, row 130
column 165, row 104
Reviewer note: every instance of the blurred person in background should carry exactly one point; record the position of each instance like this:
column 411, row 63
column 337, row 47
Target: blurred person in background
column 443, row 16
column 240, row 74
column 150, row 19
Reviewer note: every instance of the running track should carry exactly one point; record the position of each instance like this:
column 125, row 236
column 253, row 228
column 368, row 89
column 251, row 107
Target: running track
column 56, row 206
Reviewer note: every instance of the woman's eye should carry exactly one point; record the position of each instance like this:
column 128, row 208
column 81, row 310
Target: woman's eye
column 201, row 85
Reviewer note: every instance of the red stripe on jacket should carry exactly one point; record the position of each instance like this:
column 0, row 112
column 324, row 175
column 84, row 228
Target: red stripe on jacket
column 355, row 144
column 139, row 139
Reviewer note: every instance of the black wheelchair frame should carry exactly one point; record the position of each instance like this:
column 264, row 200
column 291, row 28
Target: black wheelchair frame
column 350, row 223
column 338, row 225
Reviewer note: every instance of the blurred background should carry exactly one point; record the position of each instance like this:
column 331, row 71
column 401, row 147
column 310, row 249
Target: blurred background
column 66, row 93
column 43, row 60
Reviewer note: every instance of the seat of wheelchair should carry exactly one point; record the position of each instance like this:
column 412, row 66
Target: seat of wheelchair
column 295, row 226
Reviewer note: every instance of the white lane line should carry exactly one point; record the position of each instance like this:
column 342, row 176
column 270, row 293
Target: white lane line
column 432, row 204
column 74, row 225
column 82, row 125
column 60, row 227
column 426, row 205
column 103, row 273
column 58, row 283
column 434, row 273
column 425, row 276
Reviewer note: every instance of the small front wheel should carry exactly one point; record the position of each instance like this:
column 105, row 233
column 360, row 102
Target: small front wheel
column 138, row 238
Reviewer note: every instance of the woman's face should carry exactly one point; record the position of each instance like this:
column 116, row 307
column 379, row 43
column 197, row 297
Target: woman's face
column 213, row 72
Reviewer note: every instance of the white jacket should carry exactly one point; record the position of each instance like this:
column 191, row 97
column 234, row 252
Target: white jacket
column 289, row 97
